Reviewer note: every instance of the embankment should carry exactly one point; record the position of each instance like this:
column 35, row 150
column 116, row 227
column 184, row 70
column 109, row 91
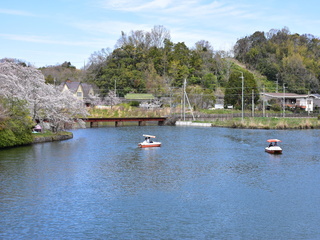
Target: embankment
column 41, row 138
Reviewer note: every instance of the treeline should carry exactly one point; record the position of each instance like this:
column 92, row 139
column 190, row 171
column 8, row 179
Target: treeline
column 60, row 73
column 292, row 60
column 149, row 62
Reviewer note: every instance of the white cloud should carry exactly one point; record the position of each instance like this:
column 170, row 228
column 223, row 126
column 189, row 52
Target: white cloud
column 135, row 6
column 15, row 12
column 219, row 40
column 113, row 28
column 188, row 21
column 176, row 9
column 221, row 22
column 47, row 40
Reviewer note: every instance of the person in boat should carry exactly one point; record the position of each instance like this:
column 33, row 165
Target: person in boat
column 147, row 140
column 270, row 145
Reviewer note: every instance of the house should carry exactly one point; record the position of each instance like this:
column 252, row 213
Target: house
column 146, row 100
column 316, row 100
column 82, row 91
column 218, row 106
column 291, row 100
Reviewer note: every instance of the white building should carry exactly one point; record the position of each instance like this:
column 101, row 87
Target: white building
column 291, row 100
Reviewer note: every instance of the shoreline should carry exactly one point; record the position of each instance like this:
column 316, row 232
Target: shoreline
column 247, row 123
column 43, row 138
column 258, row 123
column 60, row 136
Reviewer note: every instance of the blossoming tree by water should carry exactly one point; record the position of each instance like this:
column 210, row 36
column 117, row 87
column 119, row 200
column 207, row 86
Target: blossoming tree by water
column 44, row 101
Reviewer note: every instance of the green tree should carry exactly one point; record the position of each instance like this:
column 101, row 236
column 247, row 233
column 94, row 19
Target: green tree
column 15, row 128
column 199, row 97
column 210, row 81
column 49, row 79
column 151, row 62
column 233, row 92
column 292, row 58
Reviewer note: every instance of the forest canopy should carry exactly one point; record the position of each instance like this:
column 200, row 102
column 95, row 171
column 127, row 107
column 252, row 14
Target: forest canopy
column 149, row 62
column 290, row 59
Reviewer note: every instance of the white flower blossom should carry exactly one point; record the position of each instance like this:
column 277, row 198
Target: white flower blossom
column 45, row 102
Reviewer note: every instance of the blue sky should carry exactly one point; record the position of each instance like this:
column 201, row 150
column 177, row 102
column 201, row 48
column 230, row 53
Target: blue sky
column 51, row 32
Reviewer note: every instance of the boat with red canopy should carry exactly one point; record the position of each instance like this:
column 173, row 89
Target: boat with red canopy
column 148, row 142
column 273, row 146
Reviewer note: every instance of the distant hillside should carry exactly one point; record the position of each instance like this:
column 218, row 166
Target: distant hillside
column 140, row 64
column 61, row 72
column 285, row 58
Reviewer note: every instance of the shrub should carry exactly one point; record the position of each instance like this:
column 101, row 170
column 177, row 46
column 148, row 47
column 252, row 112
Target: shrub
column 16, row 129
column 276, row 107
column 134, row 104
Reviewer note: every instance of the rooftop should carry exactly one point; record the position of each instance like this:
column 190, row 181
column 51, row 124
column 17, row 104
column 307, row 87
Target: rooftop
column 286, row 95
column 139, row 96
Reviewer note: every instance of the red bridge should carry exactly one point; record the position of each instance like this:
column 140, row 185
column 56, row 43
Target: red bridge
column 94, row 121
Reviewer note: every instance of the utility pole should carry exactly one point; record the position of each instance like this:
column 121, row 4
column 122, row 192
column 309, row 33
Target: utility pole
column 252, row 102
column 263, row 104
column 185, row 96
column 308, row 105
column 277, row 82
column 181, row 111
column 170, row 99
column 284, row 100
column 242, row 95
column 184, row 99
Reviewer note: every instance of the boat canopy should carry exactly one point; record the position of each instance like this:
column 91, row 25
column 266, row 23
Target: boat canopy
column 145, row 135
column 273, row 140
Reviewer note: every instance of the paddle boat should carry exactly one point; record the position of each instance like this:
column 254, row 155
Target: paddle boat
column 148, row 142
column 273, row 146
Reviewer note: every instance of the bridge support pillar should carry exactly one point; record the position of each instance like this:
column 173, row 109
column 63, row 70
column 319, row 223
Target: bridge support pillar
column 118, row 123
column 142, row 123
column 160, row 123
column 94, row 124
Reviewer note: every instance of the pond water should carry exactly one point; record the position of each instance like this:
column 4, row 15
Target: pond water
column 203, row 183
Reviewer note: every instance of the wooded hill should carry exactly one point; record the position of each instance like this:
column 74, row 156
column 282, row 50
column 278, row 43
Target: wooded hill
column 149, row 62
column 290, row 59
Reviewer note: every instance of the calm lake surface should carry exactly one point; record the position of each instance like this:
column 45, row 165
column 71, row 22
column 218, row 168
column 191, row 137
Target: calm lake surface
column 203, row 183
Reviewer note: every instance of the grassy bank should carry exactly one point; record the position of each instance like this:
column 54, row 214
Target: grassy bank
column 49, row 136
column 128, row 111
column 269, row 123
